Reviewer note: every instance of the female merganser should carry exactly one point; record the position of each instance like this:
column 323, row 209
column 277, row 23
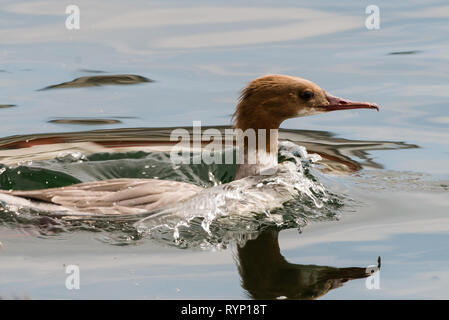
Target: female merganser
column 264, row 104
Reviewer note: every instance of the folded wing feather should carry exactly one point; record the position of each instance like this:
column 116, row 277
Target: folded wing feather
column 117, row 196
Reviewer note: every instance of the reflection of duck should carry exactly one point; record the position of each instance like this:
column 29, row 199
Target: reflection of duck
column 339, row 155
column 265, row 103
column 267, row 275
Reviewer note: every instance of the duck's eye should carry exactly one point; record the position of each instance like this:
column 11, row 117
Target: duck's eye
column 306, row 95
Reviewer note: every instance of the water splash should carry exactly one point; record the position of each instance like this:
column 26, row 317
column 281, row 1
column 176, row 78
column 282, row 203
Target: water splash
column 240, row 209
column 225, row 212
column 67, row 157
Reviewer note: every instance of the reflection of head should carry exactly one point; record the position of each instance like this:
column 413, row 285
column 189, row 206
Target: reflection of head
column 267, row 275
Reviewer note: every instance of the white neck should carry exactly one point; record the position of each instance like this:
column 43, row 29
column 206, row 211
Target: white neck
column 266, row 156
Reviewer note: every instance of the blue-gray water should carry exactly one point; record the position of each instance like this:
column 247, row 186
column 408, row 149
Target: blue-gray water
column 392, row 166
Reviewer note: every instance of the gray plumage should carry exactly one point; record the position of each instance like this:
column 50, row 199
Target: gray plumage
column 117, row 196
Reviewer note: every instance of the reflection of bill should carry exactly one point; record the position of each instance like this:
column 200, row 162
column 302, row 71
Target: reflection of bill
column 373, row 281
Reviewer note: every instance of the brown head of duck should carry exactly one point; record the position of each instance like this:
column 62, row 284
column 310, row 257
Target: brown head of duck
column 269, row 100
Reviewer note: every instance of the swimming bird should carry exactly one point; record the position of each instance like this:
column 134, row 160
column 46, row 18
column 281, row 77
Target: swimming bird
column 263, row 105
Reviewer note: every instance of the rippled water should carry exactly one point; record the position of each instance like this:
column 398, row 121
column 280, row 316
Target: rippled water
column 285, row 199
column 100, row 102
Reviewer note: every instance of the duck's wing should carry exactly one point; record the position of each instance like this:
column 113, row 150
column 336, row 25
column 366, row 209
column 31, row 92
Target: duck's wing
column 115, row 196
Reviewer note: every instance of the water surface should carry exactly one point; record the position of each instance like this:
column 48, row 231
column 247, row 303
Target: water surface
column 116, row 88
